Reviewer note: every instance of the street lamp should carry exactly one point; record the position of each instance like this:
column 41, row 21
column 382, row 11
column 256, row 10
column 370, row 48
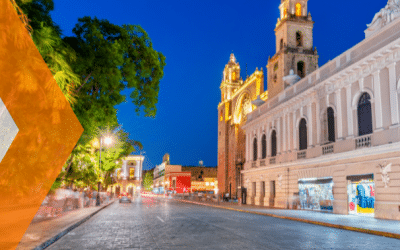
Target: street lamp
column 108, row 141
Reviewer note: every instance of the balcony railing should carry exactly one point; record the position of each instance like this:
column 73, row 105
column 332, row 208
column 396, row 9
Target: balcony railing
column 302, row 154
column 327, row 149
column 254, row 164
column 272, row 160
column 262, row 163
column 363, row 141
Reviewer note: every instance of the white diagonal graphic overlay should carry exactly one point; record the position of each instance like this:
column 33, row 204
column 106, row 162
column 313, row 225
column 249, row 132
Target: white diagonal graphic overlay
column 8, row 130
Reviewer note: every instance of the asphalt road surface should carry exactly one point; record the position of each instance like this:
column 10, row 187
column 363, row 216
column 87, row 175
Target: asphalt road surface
column 153, row 223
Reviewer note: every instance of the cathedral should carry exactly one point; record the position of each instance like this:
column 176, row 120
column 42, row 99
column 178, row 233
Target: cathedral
column 320, row 138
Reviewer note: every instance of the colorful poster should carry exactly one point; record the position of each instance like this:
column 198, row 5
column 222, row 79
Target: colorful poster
column 361, row 197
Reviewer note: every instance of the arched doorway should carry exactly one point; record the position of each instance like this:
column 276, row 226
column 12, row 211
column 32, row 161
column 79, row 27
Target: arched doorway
column 255, row 149
column 364, row 115
column 303, row 134
column 331, row 124
column 273, row 143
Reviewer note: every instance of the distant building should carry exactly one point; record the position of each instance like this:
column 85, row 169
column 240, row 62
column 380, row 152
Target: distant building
column 180, row 179
column 202, row 178
column 129, row 176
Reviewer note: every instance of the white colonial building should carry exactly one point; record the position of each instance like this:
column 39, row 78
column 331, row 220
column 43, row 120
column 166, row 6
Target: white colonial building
column 328, row 138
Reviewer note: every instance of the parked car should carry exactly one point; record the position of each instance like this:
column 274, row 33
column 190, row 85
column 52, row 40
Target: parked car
column 125, row 199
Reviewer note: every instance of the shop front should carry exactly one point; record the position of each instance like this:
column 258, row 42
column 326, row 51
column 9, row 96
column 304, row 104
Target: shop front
column 316, row 193
column 361, row 194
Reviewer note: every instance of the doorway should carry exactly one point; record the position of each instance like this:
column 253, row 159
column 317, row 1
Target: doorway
column 244, row 195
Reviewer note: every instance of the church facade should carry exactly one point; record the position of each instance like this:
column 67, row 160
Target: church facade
column 321, row 138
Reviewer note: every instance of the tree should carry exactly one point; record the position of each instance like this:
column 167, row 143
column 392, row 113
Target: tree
column 47, row 37
column 148, row 181
column 92, row 68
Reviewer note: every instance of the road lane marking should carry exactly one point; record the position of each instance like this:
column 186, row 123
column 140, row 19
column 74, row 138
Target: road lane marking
column 160, row 219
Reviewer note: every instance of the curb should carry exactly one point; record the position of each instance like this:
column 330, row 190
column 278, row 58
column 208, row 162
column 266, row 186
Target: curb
column 325, row 224
column 70, row 228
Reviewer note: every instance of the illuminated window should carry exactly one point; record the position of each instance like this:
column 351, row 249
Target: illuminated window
column 221, row 117
column 233, row 76
column 298, row 9
column 131, row 173
column 284, row 12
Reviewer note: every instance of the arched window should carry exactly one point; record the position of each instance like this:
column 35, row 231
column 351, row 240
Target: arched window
column 331, row 124
column 364, row 115
column 299, row 39
column 273, row 143
column 264, row 146
column 255, row 149
column 284, row 13
column 298, row 9
column 301, row 71
column 303, row 134
column 281, row 45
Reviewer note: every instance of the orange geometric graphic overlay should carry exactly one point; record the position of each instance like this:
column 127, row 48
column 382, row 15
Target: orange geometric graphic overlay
column 47, row 128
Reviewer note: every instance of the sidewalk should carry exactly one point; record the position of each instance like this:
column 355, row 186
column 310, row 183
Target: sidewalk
column 43, row 232
column 363, row 224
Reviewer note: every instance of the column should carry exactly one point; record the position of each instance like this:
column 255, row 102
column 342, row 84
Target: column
column 394, row 108
column 378, row 100
column 310, row 125
column 268, row 140
column 124, row 170
column 349, row 112
column 278, row 136
column 318, row 118
column 259, row 143
column 338, row 94
column 294, row 131
column 284, row 132
column 247, row 147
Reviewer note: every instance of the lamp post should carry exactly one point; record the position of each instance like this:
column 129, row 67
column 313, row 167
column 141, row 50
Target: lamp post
column 108, row 141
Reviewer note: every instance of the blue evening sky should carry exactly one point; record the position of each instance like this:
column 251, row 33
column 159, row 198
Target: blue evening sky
column 197, row 38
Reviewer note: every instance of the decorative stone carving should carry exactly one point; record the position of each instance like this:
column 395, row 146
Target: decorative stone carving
column 258, row 102
column 280, row 176
column 385, row 169
column 291, row 79
column 384, row 17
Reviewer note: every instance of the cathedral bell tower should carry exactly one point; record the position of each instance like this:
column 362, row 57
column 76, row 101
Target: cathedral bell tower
column 231, row 79
column 294, row 45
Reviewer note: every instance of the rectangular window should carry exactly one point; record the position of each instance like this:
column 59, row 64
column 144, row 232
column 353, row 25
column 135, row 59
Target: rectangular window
column 254, row 188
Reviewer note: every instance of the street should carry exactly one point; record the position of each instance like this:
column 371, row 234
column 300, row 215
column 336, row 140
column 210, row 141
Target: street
column 154, row 223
